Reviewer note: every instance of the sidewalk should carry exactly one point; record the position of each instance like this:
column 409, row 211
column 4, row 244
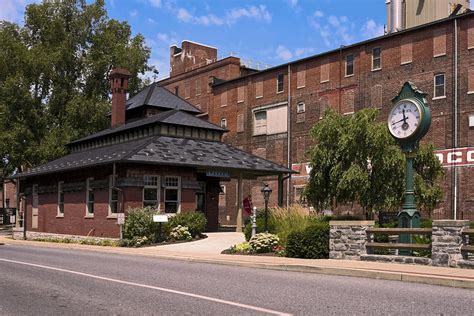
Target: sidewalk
column 208, row 251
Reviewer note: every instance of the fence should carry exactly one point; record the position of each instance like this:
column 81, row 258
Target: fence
column 451, row 243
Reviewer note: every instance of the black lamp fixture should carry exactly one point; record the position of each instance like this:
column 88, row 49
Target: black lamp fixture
column 266, row 191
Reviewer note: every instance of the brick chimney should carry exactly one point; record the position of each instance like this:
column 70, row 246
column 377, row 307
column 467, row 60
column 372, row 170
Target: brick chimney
column 119, row 83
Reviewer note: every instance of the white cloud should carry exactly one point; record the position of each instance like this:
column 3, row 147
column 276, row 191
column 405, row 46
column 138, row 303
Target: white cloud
column 151, row 21
column 13, row 10
column 303, row 51
column 371, row 29
column 318, row 14
column 155, row 3
column 283, row 53
column 334, row 30
column 292, row 3
column 133, row 13
column 258, row 13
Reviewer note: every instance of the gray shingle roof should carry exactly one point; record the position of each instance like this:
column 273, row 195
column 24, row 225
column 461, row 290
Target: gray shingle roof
column 154, row 95
column 162, row 150
column 88, row 158
column 175, row 117
column 202, row 153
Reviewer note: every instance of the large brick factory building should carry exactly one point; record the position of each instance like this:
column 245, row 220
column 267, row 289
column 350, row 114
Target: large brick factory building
column 270, row 112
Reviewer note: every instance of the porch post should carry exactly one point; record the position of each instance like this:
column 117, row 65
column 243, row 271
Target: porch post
column 239, row 203
column 280, row 190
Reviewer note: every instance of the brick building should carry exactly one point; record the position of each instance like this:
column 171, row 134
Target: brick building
column 269, row 112
column 156, row 153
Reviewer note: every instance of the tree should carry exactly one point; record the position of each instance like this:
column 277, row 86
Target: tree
column 355, row 159
column 53, row 77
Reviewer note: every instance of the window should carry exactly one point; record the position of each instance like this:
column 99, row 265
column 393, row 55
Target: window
column 151, row 191
column 376, row 58
column 240, row 94
column 270, row 119
column 349, row 65
column 280, row 83
column 60, row 199
column 259, row 88
column 224, row 98
column 300, row 107
column 89, row 198
column 172, row 194
column 176, row 90
column 324, row 75
column 301, row 77
column 113, row 197
column 260, row 123
column 439, row 86
column 224, row 123
column 198, row 87
column 439, row 42
column 240, row 123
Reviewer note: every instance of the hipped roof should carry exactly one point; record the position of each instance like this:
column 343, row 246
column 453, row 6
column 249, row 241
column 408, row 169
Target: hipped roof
column 164, row 150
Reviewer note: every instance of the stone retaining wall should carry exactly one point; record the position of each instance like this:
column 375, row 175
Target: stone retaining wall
column 446, row 242
column 347, row 239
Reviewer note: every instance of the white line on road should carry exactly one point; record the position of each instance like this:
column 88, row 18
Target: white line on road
column 207, row 298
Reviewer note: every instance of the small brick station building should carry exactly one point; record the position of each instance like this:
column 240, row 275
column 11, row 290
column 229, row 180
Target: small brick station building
column 156, row 153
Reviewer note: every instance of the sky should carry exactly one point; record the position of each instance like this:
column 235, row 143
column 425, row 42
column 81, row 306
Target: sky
column 260, row 32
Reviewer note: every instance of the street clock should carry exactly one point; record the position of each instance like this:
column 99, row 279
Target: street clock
column 410, row 118
column 408, row 121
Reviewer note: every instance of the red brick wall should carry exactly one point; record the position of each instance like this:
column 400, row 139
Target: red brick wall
column 355, row 92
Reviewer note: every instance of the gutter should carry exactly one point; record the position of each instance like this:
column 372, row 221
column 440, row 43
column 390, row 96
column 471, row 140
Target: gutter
column 456, row 118
column 288, row 183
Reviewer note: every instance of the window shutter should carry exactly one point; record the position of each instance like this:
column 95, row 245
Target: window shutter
column 439, row 42
column 324, row 71
column 259, row 88
column 406, row 50
column 301, row 76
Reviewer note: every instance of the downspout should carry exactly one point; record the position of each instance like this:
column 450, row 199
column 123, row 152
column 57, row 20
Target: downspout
column 455, row 193
column 288, row 183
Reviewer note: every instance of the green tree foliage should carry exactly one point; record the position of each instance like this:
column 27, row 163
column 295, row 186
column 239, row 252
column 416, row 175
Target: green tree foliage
column 53, row 77
column 355, row 159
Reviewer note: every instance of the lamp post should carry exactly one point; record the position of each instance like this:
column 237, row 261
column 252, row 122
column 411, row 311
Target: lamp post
column 266, row 191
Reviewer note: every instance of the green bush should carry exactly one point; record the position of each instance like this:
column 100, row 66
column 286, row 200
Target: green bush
column 311, row 243
column 196, row 222
column 136, row 241
column 139, row 223
column 243, row 247
column 260, row 227
column 263, row 242
column 180, row 233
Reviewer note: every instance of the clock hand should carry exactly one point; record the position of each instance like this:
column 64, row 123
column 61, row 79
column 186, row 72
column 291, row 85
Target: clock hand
column 404, row 116
column 402, row 120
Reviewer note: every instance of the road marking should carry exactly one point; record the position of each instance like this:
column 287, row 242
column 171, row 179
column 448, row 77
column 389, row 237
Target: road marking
column 207, row 298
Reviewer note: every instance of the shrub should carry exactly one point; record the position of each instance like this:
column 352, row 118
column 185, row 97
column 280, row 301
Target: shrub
column 311, row 243
column 196, row 222
column 240, row 248
column 263, row 242
column 180, row 233
column 139, row 223
column 286, row 220
column 136, row 241
column 260, row 224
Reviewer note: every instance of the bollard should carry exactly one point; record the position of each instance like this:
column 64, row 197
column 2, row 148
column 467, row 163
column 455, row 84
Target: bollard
column 254, row 221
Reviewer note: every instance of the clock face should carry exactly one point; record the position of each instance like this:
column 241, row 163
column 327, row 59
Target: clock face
column 404, row 119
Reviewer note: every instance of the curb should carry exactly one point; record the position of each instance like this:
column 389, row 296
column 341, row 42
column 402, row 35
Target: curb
column 455, row 282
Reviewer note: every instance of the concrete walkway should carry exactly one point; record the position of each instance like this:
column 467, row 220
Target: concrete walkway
column 212, row 245
column 208, row 251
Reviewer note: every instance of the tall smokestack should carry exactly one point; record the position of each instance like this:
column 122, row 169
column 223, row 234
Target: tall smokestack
column 396, row 15
column 119, row 83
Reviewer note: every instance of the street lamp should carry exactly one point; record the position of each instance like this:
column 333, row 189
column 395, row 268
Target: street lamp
column 266, row 191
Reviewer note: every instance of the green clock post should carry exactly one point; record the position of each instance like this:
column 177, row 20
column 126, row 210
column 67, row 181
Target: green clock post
column 408, row 121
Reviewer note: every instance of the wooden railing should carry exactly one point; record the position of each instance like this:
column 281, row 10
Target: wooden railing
column 468, row 248
column 399, row 231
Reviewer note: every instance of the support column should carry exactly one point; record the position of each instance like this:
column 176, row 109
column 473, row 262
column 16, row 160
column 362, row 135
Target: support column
column 446, row 242
column 240, row 204
column 280, row 190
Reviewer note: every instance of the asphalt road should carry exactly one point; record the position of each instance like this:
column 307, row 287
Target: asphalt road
column 44, row 281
